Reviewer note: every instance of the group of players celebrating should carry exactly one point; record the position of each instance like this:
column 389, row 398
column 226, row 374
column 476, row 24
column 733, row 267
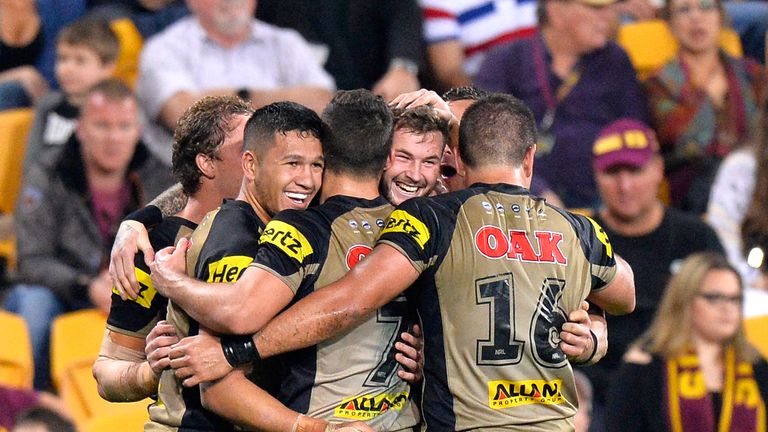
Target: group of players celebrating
column 287, row 316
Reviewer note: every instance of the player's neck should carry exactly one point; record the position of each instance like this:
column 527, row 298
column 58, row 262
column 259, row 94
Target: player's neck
column 196, row 209
column 206, row 198
column 494, row 175
column 349, row 185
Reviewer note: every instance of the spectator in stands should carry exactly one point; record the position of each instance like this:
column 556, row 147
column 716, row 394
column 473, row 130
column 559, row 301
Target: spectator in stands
column 86, row 53
column 43, row 420
column 372, row 44
column 66, row 217
column 460, row 32
column 583, row 417
column 652, row 238
column 222, row 50
column 576, row 81
column 149, row 16
column 21, row 43
column 738, row 208
column 21, row 406
column 692, row 370
column 704, row 103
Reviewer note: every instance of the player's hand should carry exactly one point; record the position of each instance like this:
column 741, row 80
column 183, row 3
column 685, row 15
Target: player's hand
column 169, row 267
column 424, row 97
column 575, row 338
column 411, row 355
column 158, row 345
column 131, row 237
column 395, row 82
column 198, row 359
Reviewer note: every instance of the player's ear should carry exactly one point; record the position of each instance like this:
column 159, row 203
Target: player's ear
column 250, row 165
column 461, row 169
column 205, row 165
column 528, row 161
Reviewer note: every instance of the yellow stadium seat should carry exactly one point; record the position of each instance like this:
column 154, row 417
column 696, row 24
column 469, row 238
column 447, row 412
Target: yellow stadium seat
column 127, row 67
column 756, row 334
column 75, row 339
column 650, row 44
column 127, row 421
column 75, row 343
column 14, row 128
column 16, row 364
column 15, row 125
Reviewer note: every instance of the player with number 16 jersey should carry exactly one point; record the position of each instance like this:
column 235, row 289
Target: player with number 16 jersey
column 498, row 252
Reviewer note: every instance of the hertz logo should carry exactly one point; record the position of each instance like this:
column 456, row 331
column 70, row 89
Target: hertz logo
column 146, row 290
column 228, row 269
column 288, row 239
column 400, row 221
column 365, row 407
column 507, row 394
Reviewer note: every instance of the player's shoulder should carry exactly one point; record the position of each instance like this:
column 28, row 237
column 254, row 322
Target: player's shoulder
column 237, row 215
column 165, row 233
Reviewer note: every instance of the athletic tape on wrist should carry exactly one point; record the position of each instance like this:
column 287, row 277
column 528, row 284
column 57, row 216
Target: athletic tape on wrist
column 239, row 350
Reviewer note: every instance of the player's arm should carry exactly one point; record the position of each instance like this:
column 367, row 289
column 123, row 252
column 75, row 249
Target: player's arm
column 240, row 401
column 239, row 308
column 121, row 371
column 618, row 296
column 372, row 283
column 132, row 237
column 128, row 368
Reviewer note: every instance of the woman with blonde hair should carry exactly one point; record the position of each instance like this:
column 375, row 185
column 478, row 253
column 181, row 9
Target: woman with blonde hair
column 693, row 368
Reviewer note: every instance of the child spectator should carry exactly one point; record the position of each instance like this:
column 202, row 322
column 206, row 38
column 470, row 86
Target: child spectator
column 86, row 52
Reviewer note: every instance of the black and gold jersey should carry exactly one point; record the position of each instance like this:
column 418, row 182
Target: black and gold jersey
column 222, row 247
column 500, row 270
column 137, row 317
column 352, row 376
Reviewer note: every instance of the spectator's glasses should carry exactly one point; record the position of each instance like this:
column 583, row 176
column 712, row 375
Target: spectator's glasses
column 721, row 299
column 687, row 8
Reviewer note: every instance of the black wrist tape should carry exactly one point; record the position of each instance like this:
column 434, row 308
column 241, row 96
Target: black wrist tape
column 240, row 350
column 594, row 349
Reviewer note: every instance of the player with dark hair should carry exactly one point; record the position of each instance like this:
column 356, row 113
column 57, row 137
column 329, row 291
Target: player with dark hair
column 282, row 164
column 420, row 136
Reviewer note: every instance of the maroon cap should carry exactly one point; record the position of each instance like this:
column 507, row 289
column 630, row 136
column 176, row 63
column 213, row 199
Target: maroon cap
column 624, row 142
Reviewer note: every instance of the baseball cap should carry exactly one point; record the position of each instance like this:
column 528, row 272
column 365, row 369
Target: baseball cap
column 624, row 142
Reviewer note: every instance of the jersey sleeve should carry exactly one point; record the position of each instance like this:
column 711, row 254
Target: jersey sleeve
column 226, row 252
column 288, row 250
column 412, row 229
column 137, row 317
column 597, row 249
